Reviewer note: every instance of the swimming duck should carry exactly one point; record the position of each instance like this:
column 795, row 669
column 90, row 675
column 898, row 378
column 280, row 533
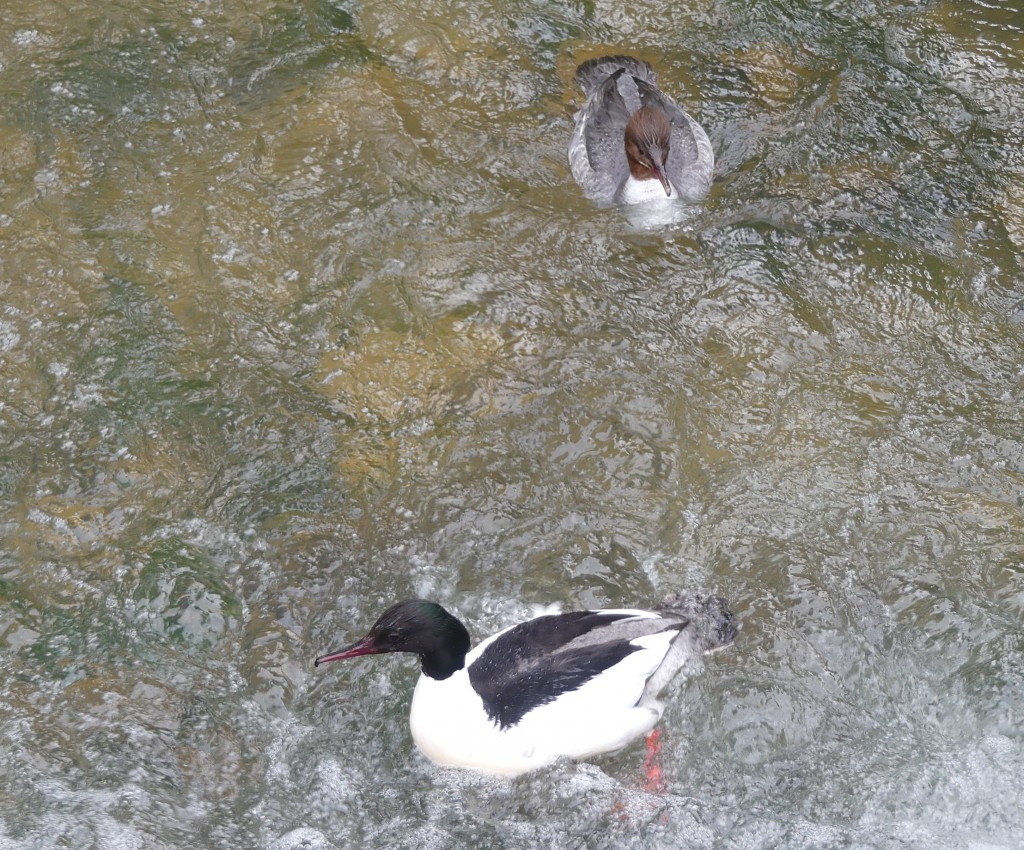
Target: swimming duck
column 560, row 685
column 632, row 143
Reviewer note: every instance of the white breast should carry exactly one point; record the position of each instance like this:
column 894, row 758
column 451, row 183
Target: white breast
column 645, row 191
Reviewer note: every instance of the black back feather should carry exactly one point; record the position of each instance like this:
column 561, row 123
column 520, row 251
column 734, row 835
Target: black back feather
column 533, row 664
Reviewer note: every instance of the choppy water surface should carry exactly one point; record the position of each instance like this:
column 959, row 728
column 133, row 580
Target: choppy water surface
column 302, row 313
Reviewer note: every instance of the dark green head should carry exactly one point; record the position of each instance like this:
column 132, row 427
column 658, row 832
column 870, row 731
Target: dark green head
column 417, row 626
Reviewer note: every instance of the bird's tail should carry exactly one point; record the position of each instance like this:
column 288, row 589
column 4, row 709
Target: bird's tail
column 708, row 624
column 593, row 72
column 713, row 624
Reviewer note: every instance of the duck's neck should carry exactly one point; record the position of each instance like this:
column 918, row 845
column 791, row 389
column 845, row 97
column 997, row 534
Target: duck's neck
column 446, row 652
column 441, row 663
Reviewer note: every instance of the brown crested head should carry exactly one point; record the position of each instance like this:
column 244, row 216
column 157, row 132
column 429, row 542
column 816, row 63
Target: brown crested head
column 648, row 135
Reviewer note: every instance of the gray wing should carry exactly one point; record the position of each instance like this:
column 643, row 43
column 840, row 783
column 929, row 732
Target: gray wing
column 601, row 186
column 597, row 151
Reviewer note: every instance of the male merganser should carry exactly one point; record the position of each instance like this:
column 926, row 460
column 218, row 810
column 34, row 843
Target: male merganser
column 632, row 142
column 571, row 685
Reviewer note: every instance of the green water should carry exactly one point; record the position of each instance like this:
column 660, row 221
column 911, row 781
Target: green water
column 301, row 313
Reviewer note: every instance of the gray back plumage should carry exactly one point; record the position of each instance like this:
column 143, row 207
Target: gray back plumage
column 593, row 72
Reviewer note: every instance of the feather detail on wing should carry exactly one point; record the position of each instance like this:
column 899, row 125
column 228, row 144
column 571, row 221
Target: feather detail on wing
column 536, row 663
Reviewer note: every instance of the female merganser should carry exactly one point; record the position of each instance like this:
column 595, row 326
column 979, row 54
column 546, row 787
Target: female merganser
column 632, row 142
column 571, row 685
